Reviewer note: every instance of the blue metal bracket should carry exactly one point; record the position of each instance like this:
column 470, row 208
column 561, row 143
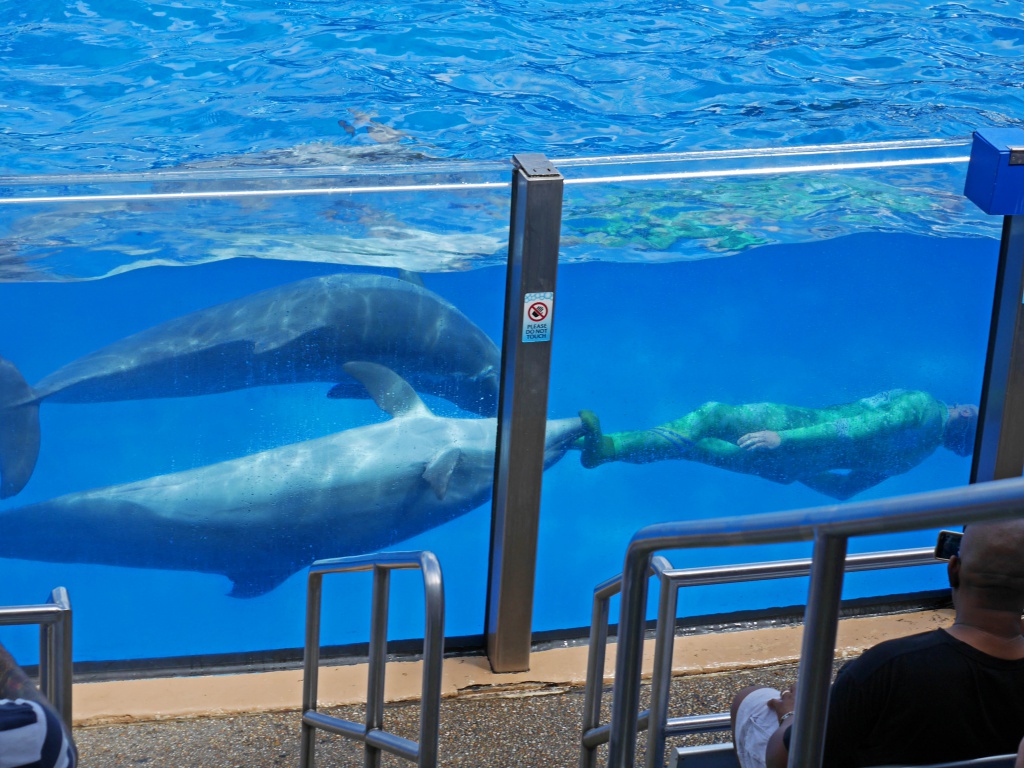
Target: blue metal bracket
column 995, row 176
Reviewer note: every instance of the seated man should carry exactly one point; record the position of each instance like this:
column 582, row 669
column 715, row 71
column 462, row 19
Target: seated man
column 31, row 732
column 941, row 696
column 840, row 450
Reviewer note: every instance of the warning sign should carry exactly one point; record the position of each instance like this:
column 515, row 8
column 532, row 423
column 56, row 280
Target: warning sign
column 537, row 316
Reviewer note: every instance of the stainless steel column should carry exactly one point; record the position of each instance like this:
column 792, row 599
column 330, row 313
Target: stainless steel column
column 814, row 674
column 378, row 656
column 661, row 677
column 999, row 446
column 522, row 413
column 55, row 664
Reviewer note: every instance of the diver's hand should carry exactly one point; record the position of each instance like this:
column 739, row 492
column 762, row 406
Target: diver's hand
column 763, row 440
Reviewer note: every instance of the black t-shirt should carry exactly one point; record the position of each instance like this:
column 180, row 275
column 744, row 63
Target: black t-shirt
column 927, row 698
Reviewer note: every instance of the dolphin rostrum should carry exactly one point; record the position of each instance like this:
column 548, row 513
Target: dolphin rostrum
column 300, row 332
column 260, row 518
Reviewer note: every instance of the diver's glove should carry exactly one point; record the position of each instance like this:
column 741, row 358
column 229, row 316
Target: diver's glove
column 596, row 448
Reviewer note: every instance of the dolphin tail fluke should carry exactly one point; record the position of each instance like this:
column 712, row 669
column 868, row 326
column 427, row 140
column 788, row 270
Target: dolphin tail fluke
column 19, row 430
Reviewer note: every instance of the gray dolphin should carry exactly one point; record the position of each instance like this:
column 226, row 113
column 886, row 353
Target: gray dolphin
column 260, row 518
column 300, row 332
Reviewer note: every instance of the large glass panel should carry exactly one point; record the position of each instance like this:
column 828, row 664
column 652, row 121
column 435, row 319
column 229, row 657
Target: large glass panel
column 185, row 341
column 709, row 296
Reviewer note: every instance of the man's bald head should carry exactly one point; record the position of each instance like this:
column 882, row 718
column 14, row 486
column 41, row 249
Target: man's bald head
column 990, row 567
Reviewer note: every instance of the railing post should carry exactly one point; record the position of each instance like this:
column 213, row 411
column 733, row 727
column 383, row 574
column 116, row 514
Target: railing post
column 629, row 656
column 661, row 678
column 433, row 658
column 311, row 667
column 595, row 671
column 522, row 409
column 995, row 182
column 378, row 657
column 814, row 675
column 56, row 672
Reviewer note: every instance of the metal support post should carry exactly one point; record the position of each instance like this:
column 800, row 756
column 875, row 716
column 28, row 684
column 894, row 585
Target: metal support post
column 629, row 655
column 999, row 446
column 522, row 410
column 595, row 667
column 814, row 675
column 55, row 664
column 311, row 667
column 661, row 678
column 378, row 656
column 995, row 183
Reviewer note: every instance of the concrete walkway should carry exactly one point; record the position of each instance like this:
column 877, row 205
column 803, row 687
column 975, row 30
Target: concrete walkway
column 523, row 719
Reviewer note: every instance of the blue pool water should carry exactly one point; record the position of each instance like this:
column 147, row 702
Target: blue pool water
column 811, row 289
column 101, row 85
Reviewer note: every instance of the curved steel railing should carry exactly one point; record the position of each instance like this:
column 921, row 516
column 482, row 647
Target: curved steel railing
column 55, row 667
column 829, row 527
column 372, row 733
column 655, row 720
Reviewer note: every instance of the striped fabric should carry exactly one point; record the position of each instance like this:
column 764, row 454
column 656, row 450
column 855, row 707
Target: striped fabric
column 32, row 736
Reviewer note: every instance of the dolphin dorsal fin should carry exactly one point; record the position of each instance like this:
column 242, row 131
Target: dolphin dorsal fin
column 411, row 277
column 439, row 471
column 389, row 391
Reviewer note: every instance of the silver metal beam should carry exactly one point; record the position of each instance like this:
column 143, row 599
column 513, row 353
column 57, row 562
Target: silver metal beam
column 999, row 444
column 536, row 221
column 814, row 675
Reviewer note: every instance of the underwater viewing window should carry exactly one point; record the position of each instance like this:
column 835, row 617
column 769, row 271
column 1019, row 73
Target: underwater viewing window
column 322, row 379
column 816, row 289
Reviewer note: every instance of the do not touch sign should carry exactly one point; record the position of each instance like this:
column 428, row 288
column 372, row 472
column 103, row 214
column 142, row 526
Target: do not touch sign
column 537, row 311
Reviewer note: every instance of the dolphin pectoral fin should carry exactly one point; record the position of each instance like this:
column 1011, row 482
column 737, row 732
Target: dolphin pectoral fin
column 389, row 391
column 256, row 584
column 19, row 430
column 439, row 471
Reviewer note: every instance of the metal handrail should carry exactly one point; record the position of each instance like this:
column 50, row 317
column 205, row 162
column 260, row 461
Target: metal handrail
column 372, row 733
column 829, row 527
column 671, row 580
column 55, row 665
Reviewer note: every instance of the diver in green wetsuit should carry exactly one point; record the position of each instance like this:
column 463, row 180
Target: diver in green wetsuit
column 840, row 450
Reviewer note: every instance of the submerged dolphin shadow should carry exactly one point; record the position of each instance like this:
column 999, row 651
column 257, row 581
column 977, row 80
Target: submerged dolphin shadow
column 300, row 332
column 261, row 518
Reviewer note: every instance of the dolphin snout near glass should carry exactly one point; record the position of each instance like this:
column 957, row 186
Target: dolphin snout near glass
column 301, row 332
column 260, row 518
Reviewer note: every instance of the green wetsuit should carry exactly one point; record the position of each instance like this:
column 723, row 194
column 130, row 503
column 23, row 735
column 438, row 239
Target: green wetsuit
column 869, row 439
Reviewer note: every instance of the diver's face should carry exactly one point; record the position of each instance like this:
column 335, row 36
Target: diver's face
column 965, row 411
column 963, row 421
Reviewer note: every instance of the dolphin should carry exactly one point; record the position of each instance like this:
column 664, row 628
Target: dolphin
column 260, row 518
column 300, row 332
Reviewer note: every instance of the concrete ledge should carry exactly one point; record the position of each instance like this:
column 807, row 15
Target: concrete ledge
column 551, row 671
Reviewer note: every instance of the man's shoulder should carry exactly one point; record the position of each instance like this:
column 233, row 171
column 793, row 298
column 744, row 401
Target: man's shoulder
column 898, row 649
column 924, row 650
